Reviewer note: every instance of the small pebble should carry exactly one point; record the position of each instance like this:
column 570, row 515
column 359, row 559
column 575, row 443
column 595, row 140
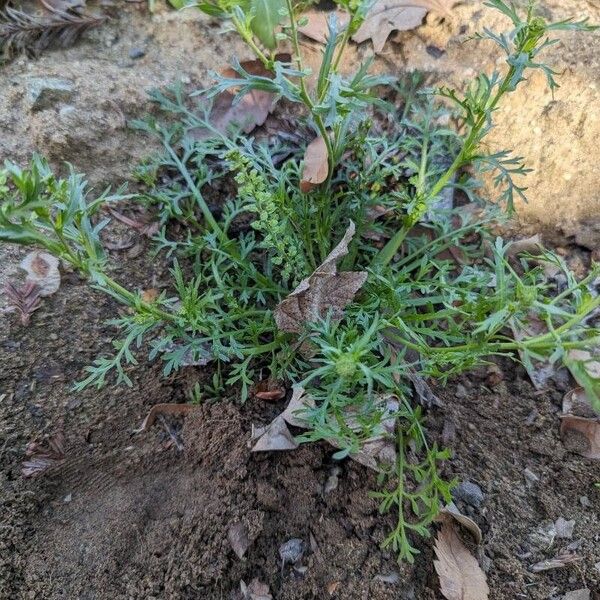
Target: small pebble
column 391, row 578
column 564, row 528
column 291, row 551
column 461, row 391
column 585, row 502
column 530, row 477
column 470, row 493
column 136, row 53
column 332, row 481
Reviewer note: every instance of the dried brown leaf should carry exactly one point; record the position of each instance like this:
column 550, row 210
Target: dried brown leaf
column 461, row 577
column 316, row 165
column 452, row 512
column 396, row 15
column 299, row 402
column 43, row 456
column 277, row 436
column 238, row 538
column 25, row 299
column 163, row 409
column 563, row 560
column 34, row 32
column 249, row 111
column 325, row 290
column 581, row 435
column 379, row 448
column 530, row 245
column 42, row 270
column 316, row 23
column 144, row 226
column 268, row 390
column 577, row 403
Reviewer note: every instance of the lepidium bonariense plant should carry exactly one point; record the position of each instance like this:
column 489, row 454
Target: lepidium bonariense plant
column 263, row 286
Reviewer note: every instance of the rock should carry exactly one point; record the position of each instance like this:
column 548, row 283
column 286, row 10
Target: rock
column 544, row 536
column 470, row 493
column 292, row 551
column 332, row 481
column 585, row 502
column 564, row 529
column 136, row 53
column 47, row 92
column 530, row 477
column 461, row 391
column 582, row 594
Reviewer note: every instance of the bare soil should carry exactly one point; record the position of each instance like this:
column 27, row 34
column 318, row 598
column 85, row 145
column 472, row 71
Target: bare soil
column 129, row 516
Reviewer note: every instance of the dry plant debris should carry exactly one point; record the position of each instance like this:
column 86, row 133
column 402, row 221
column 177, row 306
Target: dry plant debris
column 558, row 562
column 238, row 538
column 580, row 424
column 325, row 290
column 450, row 510
column 42, row 270
column 315, row 165
column 161, row 410
column 24, row 299
column 461, row 577
column 396, row 15
column 42, row 456
column 255, row 590
column 60, row 24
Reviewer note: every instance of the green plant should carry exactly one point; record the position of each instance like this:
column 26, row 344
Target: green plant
column 272, row 244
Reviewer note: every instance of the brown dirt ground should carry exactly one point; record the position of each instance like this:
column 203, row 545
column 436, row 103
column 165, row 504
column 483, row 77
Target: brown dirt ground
column 127, row 516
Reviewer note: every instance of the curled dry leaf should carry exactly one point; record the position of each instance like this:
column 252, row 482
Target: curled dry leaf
column 316, row 165
column 562, row 560
column 530, row 245
column 316, row 27
column 277, row 436
column 396, row 15
column 461, row 577
column 581, row 435
column 325, row 290
column 580, row 424
column 42, row 270
column 163, row 409
column 540, row 371
column 452, row 512
column 143, row 225
column 268, row 390
column 24, row 300
column 43, row 456
column 577, row 403
column 249, row 111
column 299, row 402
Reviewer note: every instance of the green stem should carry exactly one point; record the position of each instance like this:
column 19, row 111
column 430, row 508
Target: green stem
column 388, row 252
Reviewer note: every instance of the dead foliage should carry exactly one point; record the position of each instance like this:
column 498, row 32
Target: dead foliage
column 461, row 577
column 143, row 225
column 316, row 165
column 396, row 15
column 24, row 299
column 42, row 270
column 161, row 410
column 59, row 25
column 42, row 456
column 325, row 291
column 249, row 111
